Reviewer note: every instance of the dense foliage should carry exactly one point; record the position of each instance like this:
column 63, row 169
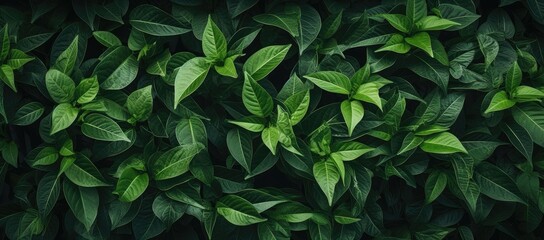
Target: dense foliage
column 247, row 119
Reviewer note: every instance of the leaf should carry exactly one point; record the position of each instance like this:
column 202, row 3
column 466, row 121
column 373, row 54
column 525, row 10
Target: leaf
column 527, row 94
column 107, row 39
column 140, row 103
column 236, row 7
column 17, row 59
column 434, row 185
column 7, row 76
column 457, row 14
column 189, row 77
column 28, row 114
column 287, row 20
column 399, row 21
column 331, row 81
column 159, row 64
column 327, row 176
column 255, row 98
column 265, row 60
column 416, row 9
column 370, row 93
column 271, row 137
column 48, row 193
column 117, row 69
column 251, row 123
column 45, row 156
column 434, row 23
column 410, row 142
column 421, row 40
column 432, row 70
column 84, row 173
column 131, row 185
column 228, row 69
column 348, row 151
column 396, row 44
column 100, row 127
column 66, row 61
column 450, row 108
column 154, row 21
column 60, row 86
column 191, row 131
column 442, row 143
column 240, row 147
column 62, row 117
column 520, row 139
column 531, row 117
column 168, row 210
column 496, row 184
column 489, row 47
column 536, row 8
column 86, row 90
column 298, row 105
column 4, row 42
column 499, row 102
column 353, row 113
column 175, row 161
column 308, row 27
column 85, row 11
column 238, row 211
column 83, row 202
column 214, row 44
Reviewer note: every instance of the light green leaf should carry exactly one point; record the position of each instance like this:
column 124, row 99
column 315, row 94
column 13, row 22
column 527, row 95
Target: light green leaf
column 327, row 176
column 298, row 104
column 251, row 123
column 238, row 211
column 228, row 69
column 131, row 185
column 214, row 44
column 434, row 23
column 348, row 151
column 513, row 77
column 526, row 94
column 100, row 127
column 370, row 93
column 395, row 44
column 62, row 117
column 499, row 102
column 154, row 21
column 140, row 103
column 60, row 86
column 421, row 40
column 264, row 61
column 86, row 90
column 255, row 98
column 353, row 113
column 398, row 21
column 17, row 59
column 271, row 137
column 175, row 161
column 189, row 77
column 442, row 143
column 7, row 76
column 331, row 81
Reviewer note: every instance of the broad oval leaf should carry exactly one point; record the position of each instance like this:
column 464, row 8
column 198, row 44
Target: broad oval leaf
column 238, row 211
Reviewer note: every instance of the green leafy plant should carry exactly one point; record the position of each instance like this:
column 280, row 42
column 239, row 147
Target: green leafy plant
column 246, row 119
